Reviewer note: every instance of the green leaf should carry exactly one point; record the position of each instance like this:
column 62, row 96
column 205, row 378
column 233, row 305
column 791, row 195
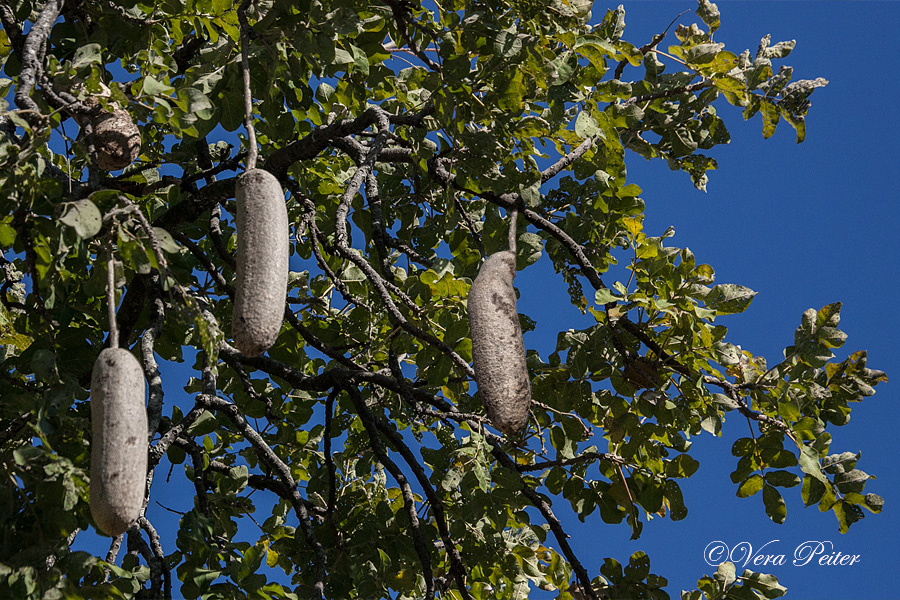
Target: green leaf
column 782, row 478
column 7, row 235
column 195, row 102
column 702, row 53
column 203, row 425
column 604, row 296
column 677, row 508
column 43, row 363
column 847, row 514
column 729, row 298
column 873, row 502
column 684, row 465
column 725, row 574
column 88, row 54
column 750, row 486
column 166, row 241
column 153, row 87
column 766, row 585
column 84, row 217
column 726, row 401
column 775, row 506
column 771, row 116
column 360, row 60
column 709, row 13
column 812, row 491
column 586, row 126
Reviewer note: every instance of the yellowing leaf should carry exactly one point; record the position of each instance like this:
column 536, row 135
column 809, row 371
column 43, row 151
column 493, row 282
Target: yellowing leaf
column 634, row 225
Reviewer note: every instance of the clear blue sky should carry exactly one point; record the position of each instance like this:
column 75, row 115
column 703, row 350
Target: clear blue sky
column 803, row 225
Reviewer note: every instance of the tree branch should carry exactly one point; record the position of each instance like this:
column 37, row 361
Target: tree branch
column 555, row 526
column 32, row 53
column 151, row 369
column 158, row 564
column 564, row 462
column 679, row 91
column 734, row 392
column 369, row 422
column 564, row 162
column 269, row 457
column 200, row 481
column 437, row 505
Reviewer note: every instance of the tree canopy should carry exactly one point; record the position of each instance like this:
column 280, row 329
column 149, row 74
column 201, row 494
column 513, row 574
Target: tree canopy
column 407, row 138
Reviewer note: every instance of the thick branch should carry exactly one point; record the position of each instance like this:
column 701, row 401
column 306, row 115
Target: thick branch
column 320, row 138
column 32, row 51
column 151, row 369
column 11, row 26
column 564, row 162
column 316, row 141
column 329, row 462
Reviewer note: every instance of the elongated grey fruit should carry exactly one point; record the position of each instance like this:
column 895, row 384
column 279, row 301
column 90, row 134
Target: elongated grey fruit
column 498, row 349
column 262, row 262
column 119, row 446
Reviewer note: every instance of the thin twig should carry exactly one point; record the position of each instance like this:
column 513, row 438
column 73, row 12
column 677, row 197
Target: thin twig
column 648, row 46
column 679, row 91
column 587, row 430
column 159, row 556
column 111, row 298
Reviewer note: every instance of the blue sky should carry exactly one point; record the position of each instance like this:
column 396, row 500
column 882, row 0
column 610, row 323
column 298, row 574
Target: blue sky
column 804, row 225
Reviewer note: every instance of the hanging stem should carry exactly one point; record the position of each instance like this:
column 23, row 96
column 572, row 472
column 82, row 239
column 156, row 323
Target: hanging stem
column 252, row 151
column 111, row 298
column 513, row 216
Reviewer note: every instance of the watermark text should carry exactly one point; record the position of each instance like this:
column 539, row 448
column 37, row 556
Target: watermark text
column 811, row 552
